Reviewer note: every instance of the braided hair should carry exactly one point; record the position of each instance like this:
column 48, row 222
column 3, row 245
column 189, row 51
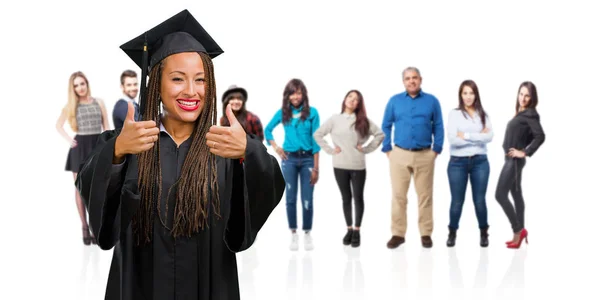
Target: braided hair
column 198, row 181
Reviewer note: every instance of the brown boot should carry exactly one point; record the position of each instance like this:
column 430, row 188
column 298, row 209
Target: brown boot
column 426, row 241
column 395, row 241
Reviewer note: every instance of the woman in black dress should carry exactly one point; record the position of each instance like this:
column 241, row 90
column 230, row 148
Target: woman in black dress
column 524, row 135
column 87, row 117
column 175, row 195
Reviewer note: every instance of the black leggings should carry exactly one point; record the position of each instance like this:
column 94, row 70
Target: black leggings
column 510, row 181
column 352, row 183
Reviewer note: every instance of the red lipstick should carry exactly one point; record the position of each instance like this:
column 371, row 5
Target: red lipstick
column 188, row 104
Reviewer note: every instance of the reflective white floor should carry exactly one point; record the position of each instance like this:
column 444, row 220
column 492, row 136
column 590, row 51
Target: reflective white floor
column 56, row 264
column 371, row 272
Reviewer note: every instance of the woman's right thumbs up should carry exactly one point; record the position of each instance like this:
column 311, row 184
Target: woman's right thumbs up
column 135, row 137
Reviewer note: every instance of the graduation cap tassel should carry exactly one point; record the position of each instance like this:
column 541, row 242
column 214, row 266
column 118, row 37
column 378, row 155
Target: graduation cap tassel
column 143, row 92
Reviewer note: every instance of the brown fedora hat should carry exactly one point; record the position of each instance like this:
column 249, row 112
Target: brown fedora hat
column 232, row 89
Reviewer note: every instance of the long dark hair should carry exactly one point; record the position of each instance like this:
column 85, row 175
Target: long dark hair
column 290, row 88
column 533, row 96
column 361, row 125
column 198, row 181
column 476, row 103
column 240, row 115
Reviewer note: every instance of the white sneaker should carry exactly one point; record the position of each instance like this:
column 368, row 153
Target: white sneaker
column 308, row 242
column 294, row 244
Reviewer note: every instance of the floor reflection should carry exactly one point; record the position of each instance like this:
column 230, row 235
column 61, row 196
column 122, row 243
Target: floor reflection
column 292, row 290
column 481, row 275
column 247, row 261
column 512, row 285
column 425, row 274
column 292, row 277
column 89, row 281
column 399, row 268
column 457, row 284
column 408, row 275
column 354, row 279
column 307, row 276
column 456, row 279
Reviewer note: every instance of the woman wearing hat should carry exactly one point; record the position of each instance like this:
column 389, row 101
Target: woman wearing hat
column 175, row 195
column 237, row 97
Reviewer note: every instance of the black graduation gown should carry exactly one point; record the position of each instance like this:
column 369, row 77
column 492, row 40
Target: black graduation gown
column 200, row 267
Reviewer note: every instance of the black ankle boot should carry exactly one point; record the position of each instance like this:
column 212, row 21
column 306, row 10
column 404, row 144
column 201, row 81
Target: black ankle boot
column 355, row 238
column 348, row 237
column 451, row 238
column 484, row 238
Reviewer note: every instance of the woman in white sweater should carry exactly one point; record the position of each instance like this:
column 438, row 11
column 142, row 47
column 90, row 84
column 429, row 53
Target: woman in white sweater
column 349, row 130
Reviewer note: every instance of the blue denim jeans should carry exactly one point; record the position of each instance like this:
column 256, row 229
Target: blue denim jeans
column 298, row 166
column 460, row 170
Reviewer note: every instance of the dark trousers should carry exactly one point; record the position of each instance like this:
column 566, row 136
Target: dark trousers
column 352, row 183
column 461, row 170
column 510, row 181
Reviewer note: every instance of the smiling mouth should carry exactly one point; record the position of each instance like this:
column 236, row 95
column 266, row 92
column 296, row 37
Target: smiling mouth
column 188, row 104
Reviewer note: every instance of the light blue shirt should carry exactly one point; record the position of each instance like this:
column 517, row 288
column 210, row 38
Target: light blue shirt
column 298, row 133
column 475, row 141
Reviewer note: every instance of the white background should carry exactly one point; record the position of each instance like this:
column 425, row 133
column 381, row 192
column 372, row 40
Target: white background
column 332, row 47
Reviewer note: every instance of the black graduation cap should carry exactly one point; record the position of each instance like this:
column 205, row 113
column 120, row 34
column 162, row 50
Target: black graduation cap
column 180, row 33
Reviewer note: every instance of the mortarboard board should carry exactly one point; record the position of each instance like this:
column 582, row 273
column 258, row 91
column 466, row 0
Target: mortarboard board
column 180, row 33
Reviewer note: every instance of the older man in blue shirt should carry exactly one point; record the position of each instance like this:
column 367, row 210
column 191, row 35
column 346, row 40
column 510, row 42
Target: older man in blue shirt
column 418, row 138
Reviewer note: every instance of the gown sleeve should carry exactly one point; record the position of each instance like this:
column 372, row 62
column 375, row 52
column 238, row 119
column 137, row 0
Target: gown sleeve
column 102, row 187
column 257, row 187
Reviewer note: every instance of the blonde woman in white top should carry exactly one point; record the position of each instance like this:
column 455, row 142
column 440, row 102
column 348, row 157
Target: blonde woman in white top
column 349, row 131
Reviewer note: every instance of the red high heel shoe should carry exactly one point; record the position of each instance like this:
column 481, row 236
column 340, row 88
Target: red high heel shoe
column 522, row 236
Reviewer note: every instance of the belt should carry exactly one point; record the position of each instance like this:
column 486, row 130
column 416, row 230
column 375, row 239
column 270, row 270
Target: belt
column 468, row 156
column 414, row 149
column 301, row 152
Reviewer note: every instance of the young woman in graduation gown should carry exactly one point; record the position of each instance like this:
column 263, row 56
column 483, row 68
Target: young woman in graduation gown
column 175, row 196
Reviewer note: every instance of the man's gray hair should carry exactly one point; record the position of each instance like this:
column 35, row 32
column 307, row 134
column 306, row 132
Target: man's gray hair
column 411, row 69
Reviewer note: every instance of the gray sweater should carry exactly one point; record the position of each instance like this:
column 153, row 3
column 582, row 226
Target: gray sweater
column 343, row 135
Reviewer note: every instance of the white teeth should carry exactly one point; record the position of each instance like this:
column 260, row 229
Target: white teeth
column 188, row 103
